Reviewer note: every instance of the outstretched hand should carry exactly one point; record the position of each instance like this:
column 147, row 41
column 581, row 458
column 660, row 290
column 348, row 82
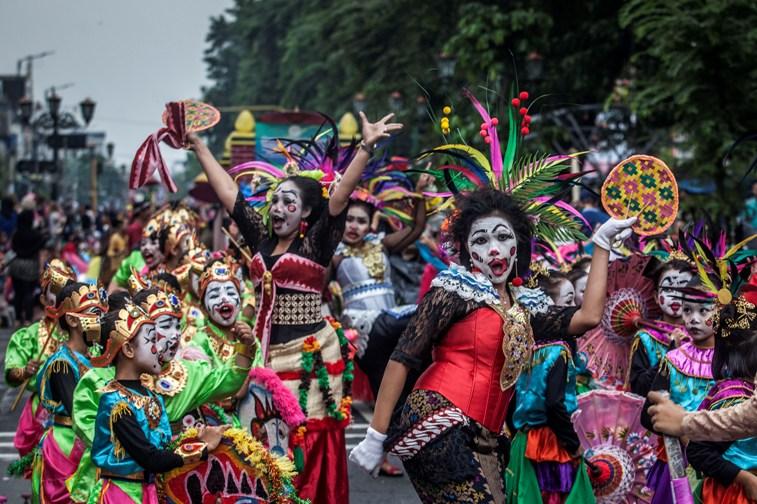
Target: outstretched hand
column 373, row 132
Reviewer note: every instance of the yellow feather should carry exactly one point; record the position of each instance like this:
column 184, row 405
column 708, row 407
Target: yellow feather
column 475, row 154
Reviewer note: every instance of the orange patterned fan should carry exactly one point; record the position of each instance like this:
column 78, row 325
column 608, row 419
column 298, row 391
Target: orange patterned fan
column 642, row 186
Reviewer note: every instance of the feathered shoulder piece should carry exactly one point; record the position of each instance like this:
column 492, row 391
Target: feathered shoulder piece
column 535, row 181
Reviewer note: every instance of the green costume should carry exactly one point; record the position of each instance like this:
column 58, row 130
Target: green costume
column 25, row 345
column 133, row 260
column 184, row 385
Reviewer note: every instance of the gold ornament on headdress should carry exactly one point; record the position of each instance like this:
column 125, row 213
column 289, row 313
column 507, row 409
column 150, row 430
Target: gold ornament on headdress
column 152, row 228
column 162, row 303
column 221, row 271
column 537, row 269
column 176, row 233
column 56, row 275
column 679, row 255
column 746, row 313
column 196, row 259
column 131, row 318
column 136, row 282
column 88, row 296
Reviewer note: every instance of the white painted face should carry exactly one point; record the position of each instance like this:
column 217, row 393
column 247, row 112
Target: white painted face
column 699, row 319
column 580, row 288
column 168, row 335
column 566, row 296
column 287, row 209
column 150, row 250
column 668, row 297
column 50, row 297
column 492, row 247
column 146, row 352
column 222, row 302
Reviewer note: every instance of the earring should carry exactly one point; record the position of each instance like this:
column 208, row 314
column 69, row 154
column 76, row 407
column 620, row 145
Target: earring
column 517, row 280
column 303, row 228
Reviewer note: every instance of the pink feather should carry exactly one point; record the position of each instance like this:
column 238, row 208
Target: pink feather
column 283, row 399
column 495, row 153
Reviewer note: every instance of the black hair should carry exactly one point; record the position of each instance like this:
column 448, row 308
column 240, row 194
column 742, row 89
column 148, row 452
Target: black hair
column 107, row 325
column 311, row 193
column 142, row 295
column 369, row 209
column 734, row 355
column 660, row 268
column 486, row 202
column 578, row 271
column 65, row 293
column 118, row 300
column 170, row 279
column 551, row 283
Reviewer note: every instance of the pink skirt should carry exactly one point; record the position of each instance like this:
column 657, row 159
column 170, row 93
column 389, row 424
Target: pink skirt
column 112, row 494
column 57, row 468
column 31, row 426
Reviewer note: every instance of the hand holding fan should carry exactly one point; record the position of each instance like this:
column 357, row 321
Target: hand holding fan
column 179, row 118
column 642, row 186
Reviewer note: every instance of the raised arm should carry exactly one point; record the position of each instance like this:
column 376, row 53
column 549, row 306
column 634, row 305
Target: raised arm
column 595, row 296
column 221, row 182
column 372, row 133
column 400, row 239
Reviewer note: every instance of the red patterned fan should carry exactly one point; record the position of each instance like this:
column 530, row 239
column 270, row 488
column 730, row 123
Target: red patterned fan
column 198, row 116
column 630, row 305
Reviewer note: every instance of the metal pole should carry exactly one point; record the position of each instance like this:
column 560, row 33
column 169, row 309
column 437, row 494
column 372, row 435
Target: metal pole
column 93, row 178
column 56, row 141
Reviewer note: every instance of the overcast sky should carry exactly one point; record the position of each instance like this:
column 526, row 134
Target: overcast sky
column 131, row 57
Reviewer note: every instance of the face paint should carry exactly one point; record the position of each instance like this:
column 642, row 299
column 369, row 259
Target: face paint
column 699, row 320
column 286, row 209
column 150, row 250
column 566, row 295
column 222, row 302
column 168, row 336
column 49, row 297
column 492, row 247
column 668, row 297
column 580, row 288
column 357, row 225
column 146, row 353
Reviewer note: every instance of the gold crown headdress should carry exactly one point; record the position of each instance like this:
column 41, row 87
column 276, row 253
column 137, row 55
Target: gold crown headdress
column 130, row 320
column 176, row 233
column 88, row 296
column 744, row 318
column 137, row 282
column 196, row 260
column 56, row 275
column 162, row 303
column 152, row 228
column 220, row 271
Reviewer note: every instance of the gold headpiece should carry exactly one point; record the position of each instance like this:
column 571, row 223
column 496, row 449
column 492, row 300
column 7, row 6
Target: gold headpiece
column 679, row 255
column 162, row 303
column 56, row 275
column 88, row 296
column 745, row 318
column 136, row 282
column 152, row 228
column 176, row 233
column 130, row 319
column 195, row 263
column 536, row 269
column 220, row 271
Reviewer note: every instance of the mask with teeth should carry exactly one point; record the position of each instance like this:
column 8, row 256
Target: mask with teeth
column 492, row 247
column 222, row 302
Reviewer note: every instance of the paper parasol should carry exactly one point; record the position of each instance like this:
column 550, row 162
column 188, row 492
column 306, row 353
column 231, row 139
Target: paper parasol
column 630, row 306
column 642, row 186
column 618, row 449
column 198, row 116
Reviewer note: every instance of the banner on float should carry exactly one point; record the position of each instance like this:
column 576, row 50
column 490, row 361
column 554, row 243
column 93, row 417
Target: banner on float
column 274, row 126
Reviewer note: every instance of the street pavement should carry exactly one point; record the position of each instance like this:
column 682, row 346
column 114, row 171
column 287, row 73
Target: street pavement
column 363, row 488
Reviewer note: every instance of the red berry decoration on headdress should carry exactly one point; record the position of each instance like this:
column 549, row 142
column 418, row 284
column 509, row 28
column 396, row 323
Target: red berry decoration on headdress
column 515, row 102
column 495, row 121
column 523, row 95
column 523, row 111
column 524, row 131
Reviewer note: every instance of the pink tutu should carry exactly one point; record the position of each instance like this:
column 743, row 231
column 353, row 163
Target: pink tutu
column 31, row 426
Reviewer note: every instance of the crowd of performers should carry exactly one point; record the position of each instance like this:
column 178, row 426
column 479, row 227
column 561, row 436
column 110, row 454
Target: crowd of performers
column 520, row 376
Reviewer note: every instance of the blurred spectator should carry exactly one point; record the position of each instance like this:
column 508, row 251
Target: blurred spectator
column 117, row 250
column 26, row 244
column 748, row 216
column 8, row 216
column 594, row 216
column 134, row 230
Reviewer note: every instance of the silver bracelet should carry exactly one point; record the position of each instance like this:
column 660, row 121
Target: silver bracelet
column 368, row 149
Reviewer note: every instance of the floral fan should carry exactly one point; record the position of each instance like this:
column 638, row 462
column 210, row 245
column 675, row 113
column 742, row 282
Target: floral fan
column 617, row 448
column 630, row 305
column 535, row 181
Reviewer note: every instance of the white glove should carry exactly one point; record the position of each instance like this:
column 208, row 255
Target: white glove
column 370, row 452
column 613, row 230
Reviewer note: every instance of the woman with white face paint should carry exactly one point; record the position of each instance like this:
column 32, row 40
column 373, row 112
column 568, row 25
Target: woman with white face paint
column 289, row 268
column 650, row 345
column 478, row 341
column 132, row 431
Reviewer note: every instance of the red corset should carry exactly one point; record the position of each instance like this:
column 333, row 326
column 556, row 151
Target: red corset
column 466, row 368
column 290, row 271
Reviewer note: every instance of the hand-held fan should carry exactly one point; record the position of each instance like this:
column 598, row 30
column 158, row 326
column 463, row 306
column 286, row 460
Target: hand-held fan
column 642, row 186
column 618, row 449
column 179, row 118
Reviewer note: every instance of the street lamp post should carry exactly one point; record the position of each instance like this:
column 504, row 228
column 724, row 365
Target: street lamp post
column 55, row 121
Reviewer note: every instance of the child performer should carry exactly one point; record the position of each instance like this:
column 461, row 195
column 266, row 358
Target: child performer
column 546, row 453
column 132, row 431
column 78, row 308
column 29, row 348
column 650, row 345
column 729, row 467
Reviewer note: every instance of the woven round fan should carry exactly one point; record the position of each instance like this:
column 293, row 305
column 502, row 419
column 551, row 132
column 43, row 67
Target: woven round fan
column 198, row 116
column 618, row 449
column 630, row 304
column 642, row 186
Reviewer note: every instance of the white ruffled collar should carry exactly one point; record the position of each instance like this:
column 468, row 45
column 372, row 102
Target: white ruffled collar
column 466, row 284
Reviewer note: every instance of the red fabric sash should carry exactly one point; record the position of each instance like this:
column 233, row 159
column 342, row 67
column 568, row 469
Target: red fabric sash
column 149, row 158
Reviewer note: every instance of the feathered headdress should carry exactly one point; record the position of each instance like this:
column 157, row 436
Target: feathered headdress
column 386, row 186
column 535, row 181
column 320, row 158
